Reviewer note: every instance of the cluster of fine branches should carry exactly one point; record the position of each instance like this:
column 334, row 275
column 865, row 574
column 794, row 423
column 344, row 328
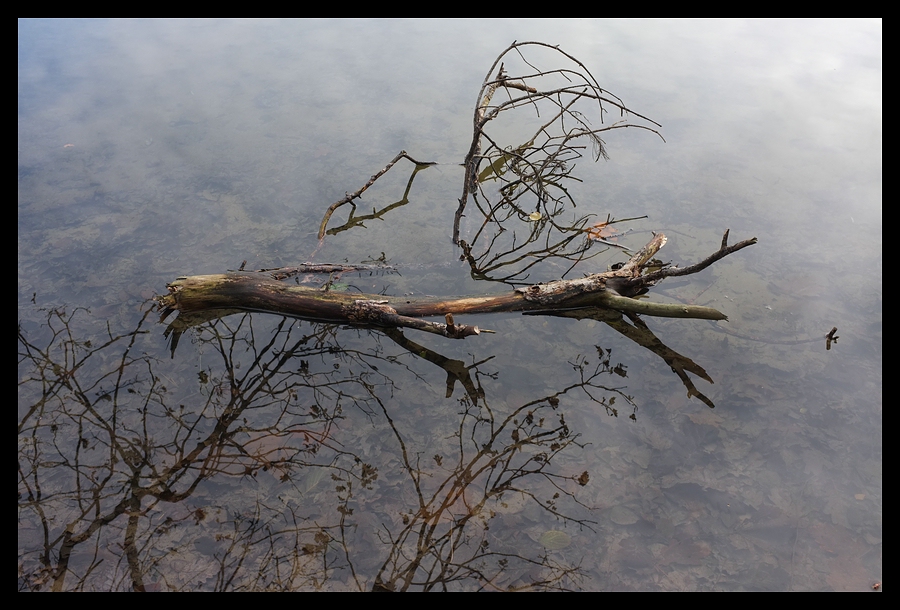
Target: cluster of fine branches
column 105, row 447
column 521, row 190
column 520, row 184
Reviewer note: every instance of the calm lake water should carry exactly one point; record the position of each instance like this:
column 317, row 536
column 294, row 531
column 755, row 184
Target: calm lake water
column 243, row 451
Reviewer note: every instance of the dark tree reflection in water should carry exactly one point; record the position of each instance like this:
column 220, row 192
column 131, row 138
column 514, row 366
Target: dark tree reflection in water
column 266, row 475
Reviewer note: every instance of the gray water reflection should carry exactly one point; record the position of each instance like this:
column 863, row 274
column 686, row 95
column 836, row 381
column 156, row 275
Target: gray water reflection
column 153, row 149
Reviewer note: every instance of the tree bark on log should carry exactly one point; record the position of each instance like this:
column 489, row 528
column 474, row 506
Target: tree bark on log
column 259, row 291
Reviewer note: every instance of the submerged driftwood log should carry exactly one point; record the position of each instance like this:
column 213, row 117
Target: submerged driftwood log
column 261, row 291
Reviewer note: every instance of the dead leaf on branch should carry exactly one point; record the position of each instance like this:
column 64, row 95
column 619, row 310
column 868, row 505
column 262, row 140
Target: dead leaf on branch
column 602, row 231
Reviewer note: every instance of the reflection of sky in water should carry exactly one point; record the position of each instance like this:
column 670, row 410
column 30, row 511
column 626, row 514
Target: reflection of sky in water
column 196, row 145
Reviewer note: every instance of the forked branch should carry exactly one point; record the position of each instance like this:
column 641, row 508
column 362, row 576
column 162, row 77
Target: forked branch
column 349, row 197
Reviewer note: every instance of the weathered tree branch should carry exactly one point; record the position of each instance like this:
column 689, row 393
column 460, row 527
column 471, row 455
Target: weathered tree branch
column 257, row 291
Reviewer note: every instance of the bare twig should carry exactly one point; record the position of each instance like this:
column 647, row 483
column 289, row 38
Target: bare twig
column 724, row 250
column 349, row 197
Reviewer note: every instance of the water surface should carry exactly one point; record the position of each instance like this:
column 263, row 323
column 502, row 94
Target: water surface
column 271, row 453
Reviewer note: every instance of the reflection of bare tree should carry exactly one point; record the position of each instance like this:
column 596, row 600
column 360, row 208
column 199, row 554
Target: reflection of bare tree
column 254, row 477
column 73, row 424
column 500, row 458
column 102, row 439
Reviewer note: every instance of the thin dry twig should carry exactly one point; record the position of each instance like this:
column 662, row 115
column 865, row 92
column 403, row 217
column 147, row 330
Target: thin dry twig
column 349, row 197
column 724, row 250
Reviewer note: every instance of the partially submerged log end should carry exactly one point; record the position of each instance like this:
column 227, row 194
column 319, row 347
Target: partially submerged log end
column 202, row 292
column 662, row 310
